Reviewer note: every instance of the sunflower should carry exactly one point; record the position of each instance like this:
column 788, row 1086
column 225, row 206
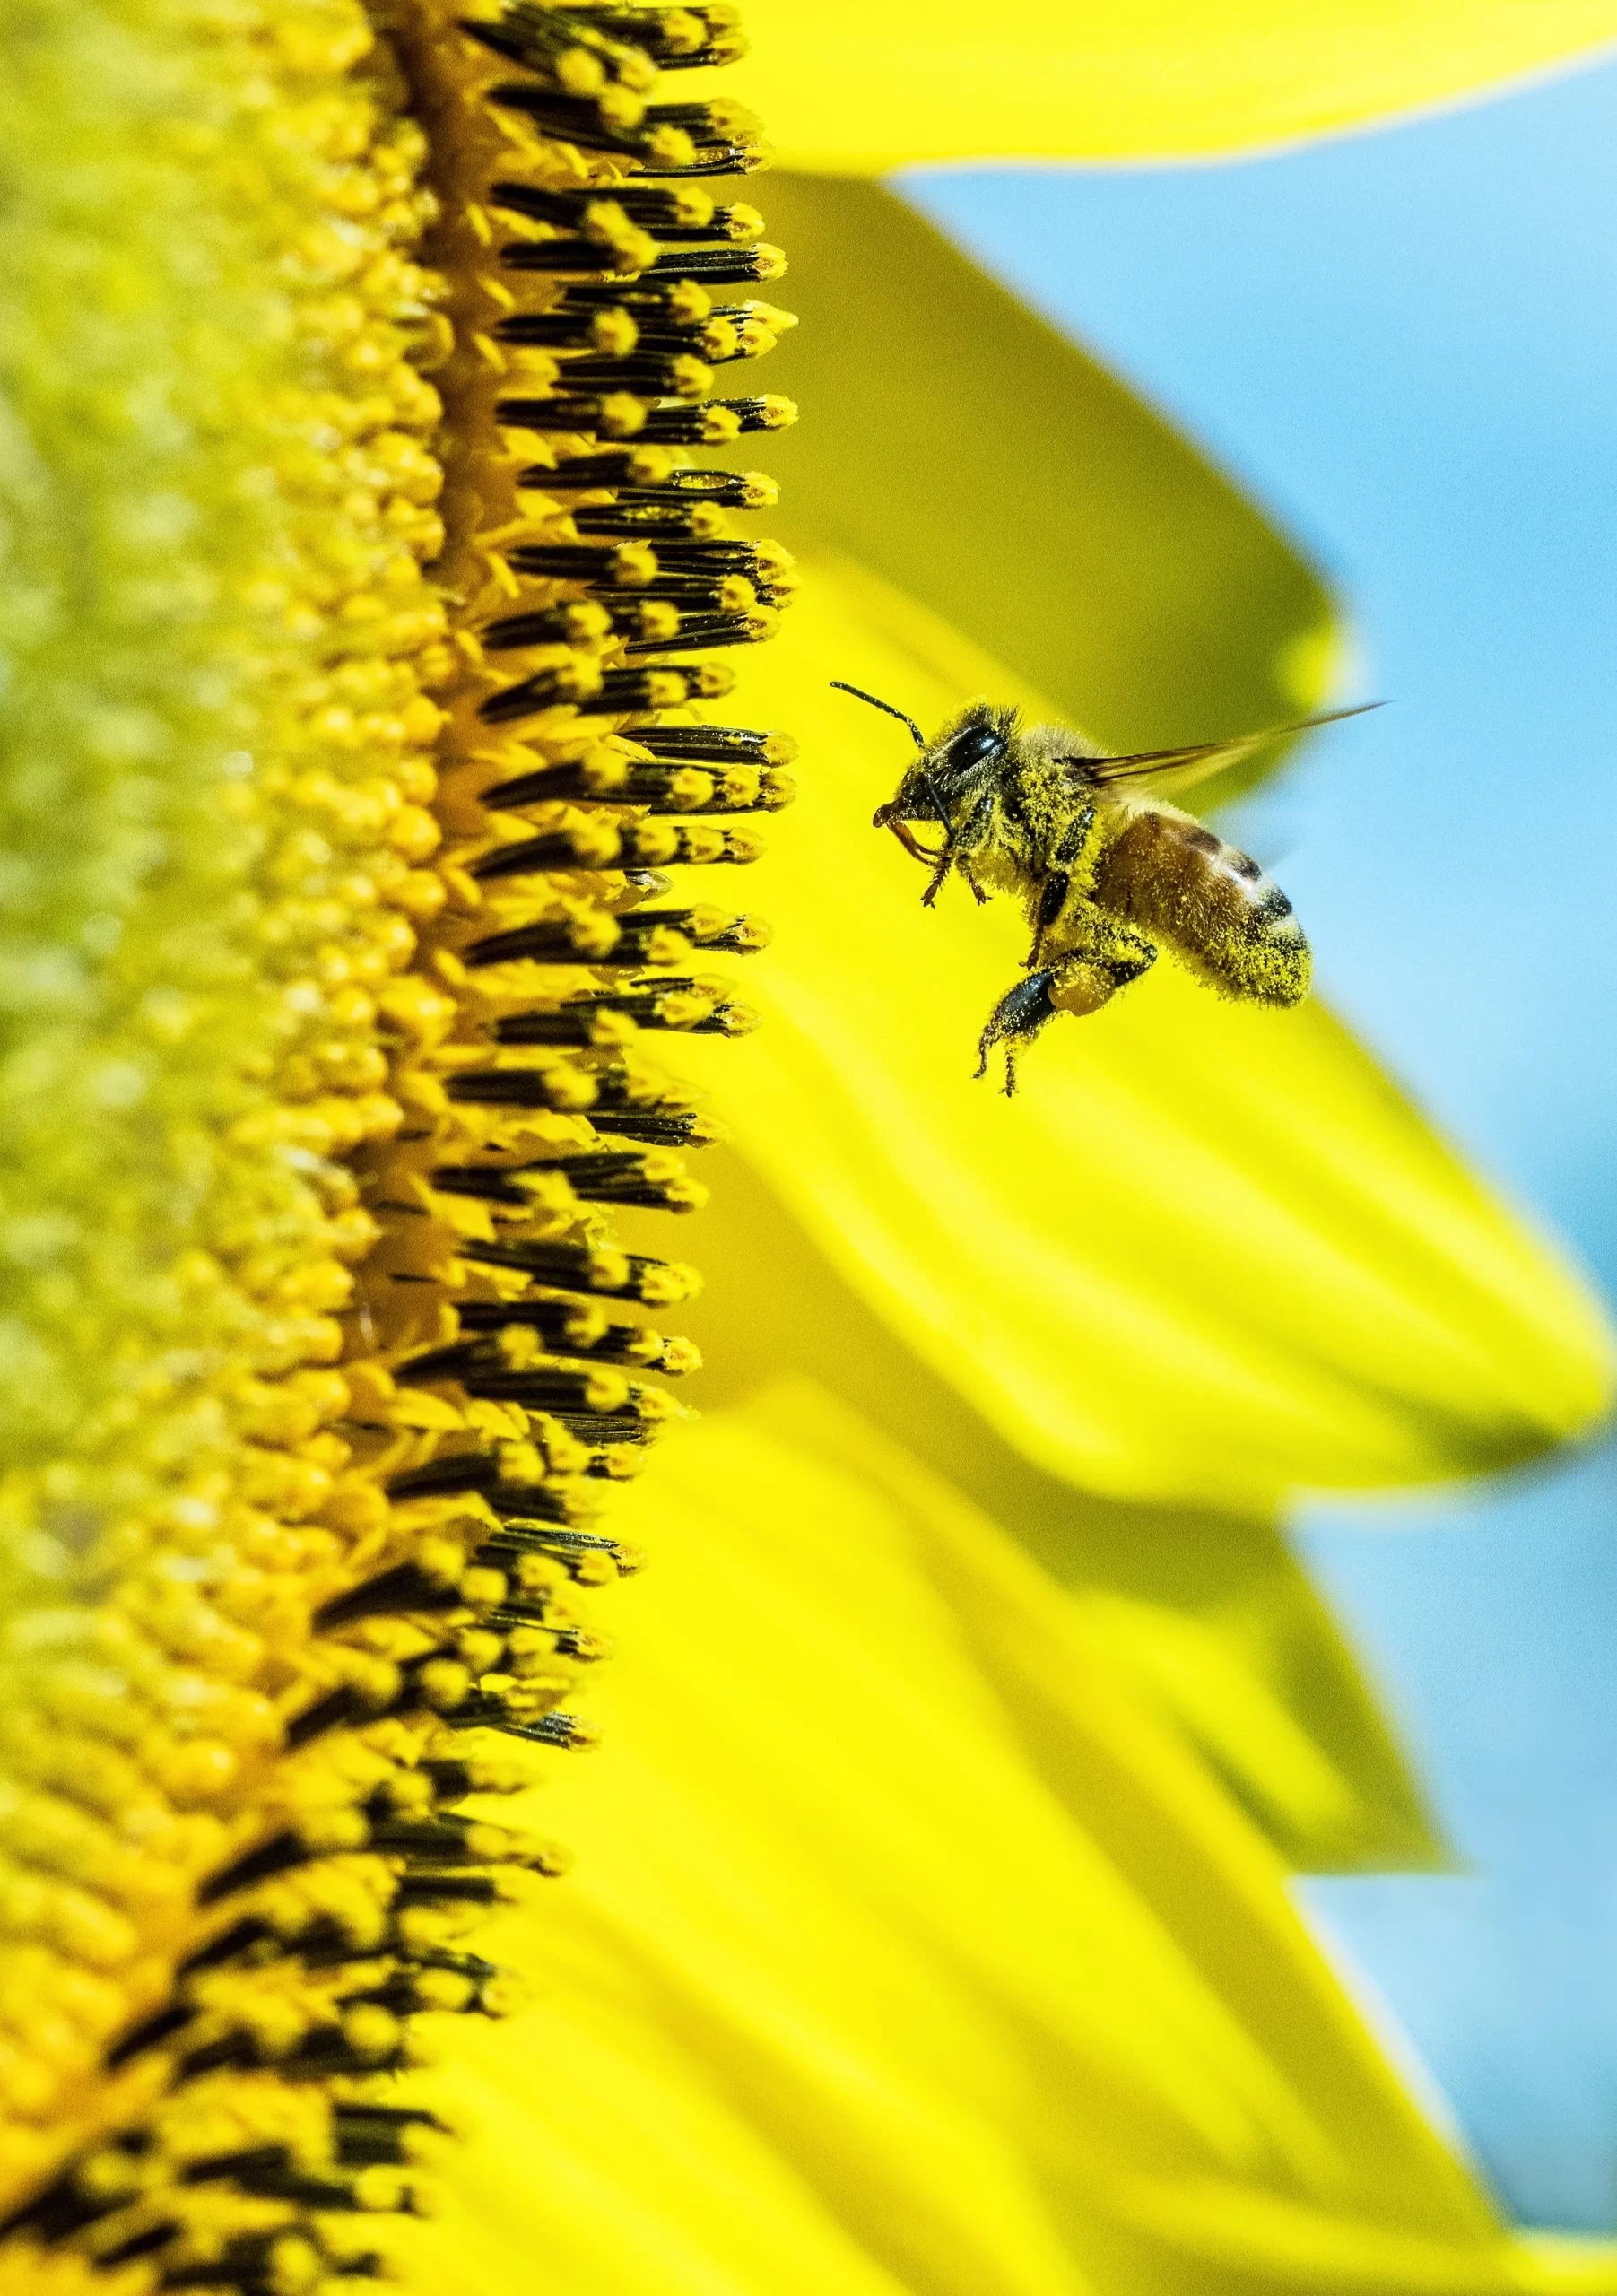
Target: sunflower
column 380, row 530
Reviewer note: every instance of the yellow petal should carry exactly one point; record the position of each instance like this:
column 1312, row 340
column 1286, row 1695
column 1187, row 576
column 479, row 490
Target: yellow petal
column 1115, row 569
column 965, row 452
column 1209, row 1251
column 1208, row 1613
column 859, row 89
column 1241, row 1720
column 908, row 1953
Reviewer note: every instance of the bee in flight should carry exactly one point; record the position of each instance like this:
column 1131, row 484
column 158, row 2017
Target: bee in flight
column 1105, row 867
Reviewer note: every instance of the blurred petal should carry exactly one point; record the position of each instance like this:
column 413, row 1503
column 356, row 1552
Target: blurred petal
column 1210, row 1615
column 909, row 1953
column 1117, row 570
column 860, row 89
column 968, row 454
column 1208, row 1252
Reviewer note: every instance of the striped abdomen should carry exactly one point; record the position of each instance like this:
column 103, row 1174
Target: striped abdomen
column 1229, row 919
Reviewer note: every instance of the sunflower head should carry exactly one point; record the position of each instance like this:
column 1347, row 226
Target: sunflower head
column 376, row 590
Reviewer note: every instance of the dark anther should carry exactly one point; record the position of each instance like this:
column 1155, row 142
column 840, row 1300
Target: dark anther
column 695, row 633
column 686, row 1129
column 406, row 1587
column 486, row 1183
column 672, row 214
column 719, row 267
column 732, row 489
column 555, row 943
column 279, row 2181
column 570, row 119
column 558, row 851
column 610, row 417
column 604, row 1176
column 646, row 1119
column 451, row 1889
column 733, row 160
column 608, row 569
column 554, row 1388
column 575, row 1267
column 763, row 564
column 483, row 1711
column 440, row 1841
column 666, row 685
column 243, row 1936
column 573, row 1022
column 252, row 2264
column 144, row 2243
column 150, row 2034
column 539, row 37
column 279, row 1854
column 337, row 1709
column 378, row 2136
column 672, row 519
column 542, row 626
column 551, row 1322
column 443, row 1477
column 63, row 2208
column 522, row 1538
column 737, row 937
column 575, row 254
column 261, row 2159
column 714, row 744
column 691, row 426
column 662, row 34
column 518, row 1088
column 555, row 1730
column 438, row 1364
column 649, row 374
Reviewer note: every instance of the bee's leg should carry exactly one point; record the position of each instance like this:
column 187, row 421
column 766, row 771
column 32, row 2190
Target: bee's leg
column 1017, row 1018
column 965, row 837
column 1097, row 956
column 1089, row 975
column 1052, row 901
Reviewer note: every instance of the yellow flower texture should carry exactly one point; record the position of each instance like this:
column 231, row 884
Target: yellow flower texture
column 375, row 520
column 335, row 914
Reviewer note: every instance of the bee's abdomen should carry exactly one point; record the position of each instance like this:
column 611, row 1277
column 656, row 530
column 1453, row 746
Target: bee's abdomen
column 1224, row 915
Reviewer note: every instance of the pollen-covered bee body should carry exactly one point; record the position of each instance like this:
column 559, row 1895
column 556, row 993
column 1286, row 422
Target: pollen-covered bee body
column 1105, row 867
column 1160, row 869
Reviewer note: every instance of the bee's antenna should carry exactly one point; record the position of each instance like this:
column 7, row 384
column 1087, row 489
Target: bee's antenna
column 859, row 694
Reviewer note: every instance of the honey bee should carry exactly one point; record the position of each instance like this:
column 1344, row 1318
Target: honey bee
column 1104, row 866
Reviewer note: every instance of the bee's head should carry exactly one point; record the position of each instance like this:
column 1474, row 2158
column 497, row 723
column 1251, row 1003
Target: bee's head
column 952, row 770
column 945, row 776
column 944, row 772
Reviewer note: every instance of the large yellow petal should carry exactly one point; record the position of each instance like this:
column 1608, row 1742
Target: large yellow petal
column 860, row 89
column 963, row 449
column 1209, row 1613
column 1117, row 570
column 909, row 1953
column 1209, row 1251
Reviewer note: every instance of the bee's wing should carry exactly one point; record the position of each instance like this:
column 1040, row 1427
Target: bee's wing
column 1162, row 770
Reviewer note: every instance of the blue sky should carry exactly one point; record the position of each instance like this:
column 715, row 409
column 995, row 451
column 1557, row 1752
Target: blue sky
column 1405, row 344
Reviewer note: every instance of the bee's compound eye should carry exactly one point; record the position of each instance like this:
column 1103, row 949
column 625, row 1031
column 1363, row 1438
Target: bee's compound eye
column 973, row 745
